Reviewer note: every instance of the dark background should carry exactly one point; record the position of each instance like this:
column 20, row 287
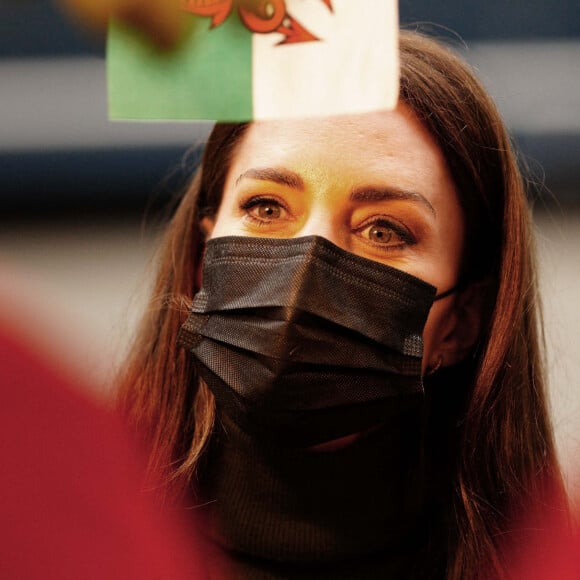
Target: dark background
column 120, row 174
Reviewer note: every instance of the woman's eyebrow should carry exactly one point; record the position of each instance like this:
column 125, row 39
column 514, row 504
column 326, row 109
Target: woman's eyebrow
column 389, row 193
column 278, row 175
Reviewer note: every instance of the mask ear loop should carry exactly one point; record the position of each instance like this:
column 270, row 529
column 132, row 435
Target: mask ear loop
column 451, row 290
column 433, row 369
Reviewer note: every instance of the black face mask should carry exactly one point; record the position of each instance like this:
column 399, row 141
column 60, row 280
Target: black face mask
column 302, row 342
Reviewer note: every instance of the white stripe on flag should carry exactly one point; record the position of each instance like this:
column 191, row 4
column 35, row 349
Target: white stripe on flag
column 354, row 67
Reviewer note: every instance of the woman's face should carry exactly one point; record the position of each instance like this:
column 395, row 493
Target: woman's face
column 375, row 184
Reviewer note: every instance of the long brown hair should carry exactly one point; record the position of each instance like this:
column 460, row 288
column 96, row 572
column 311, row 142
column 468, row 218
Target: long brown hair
column 506, row 457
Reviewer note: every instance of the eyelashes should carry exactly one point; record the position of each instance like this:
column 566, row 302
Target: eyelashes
column 264, row 210
column 381, row 232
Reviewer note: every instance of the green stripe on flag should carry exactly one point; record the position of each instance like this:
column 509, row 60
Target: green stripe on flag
column 209, row 76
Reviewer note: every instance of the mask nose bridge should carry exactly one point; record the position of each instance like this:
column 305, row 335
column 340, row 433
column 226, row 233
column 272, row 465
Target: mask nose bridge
column 299, row 285
column 300, row 280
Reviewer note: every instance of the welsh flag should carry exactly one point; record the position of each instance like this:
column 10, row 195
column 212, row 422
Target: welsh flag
column 260, row 60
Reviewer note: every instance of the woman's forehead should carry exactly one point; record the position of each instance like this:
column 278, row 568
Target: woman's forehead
column 343, row 129
column 386, row 145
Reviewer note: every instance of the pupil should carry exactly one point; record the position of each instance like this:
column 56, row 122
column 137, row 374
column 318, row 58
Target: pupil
column 268, row 211
column 380, row 234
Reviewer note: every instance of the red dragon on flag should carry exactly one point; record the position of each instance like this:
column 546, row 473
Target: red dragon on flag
column 260, row 16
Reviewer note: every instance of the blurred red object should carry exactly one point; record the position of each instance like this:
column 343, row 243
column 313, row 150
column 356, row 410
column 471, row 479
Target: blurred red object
column 551, row 553
column 70, row 506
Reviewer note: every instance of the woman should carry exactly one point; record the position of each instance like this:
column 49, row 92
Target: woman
column 379, row 454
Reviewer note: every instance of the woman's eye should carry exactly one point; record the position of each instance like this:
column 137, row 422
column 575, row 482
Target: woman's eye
column 263, row 210
column 381, row 234
column 386, row 234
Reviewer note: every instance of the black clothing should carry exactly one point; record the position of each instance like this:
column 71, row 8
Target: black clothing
column 365, row 511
